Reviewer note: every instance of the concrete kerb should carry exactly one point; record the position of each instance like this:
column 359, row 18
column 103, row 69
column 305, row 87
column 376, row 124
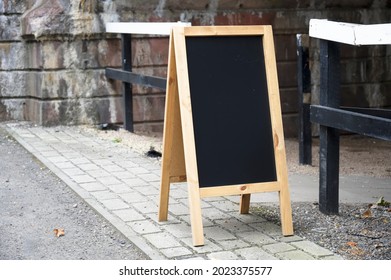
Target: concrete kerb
column 161, row 240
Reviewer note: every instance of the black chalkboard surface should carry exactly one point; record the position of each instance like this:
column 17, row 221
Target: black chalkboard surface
column 230, row 109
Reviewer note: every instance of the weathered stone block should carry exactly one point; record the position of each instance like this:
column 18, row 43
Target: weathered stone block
column 12, row 109
column 12, row 6
column 76, row 111
column 148, row 108
column 81, row 54
column 70, row 84
column 150, row 51
column 9, row 28
column 13, row 84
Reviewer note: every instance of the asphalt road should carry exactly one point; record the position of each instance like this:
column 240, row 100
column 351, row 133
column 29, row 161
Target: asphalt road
column 34, row 202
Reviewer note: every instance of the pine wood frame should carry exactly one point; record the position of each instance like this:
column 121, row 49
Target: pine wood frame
column 179, row 162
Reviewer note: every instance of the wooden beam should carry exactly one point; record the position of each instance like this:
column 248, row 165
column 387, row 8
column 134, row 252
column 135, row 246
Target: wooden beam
column 352, row 34
column 363, row 124
column 149, row 28
column 134, row 78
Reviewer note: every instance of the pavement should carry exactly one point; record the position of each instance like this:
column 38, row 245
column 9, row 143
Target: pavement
column 123, row 186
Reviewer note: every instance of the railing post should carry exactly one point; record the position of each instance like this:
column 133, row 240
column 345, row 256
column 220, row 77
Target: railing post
column 304, row 94
column 127, row 87
column 328, row 136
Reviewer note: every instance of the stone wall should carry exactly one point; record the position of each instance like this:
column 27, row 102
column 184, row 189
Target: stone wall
column 53, row 55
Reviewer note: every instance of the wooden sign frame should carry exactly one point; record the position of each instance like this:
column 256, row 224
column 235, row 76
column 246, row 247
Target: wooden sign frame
column 179, row 162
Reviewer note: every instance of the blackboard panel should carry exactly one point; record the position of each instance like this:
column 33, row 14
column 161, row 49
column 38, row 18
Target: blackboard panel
column 230, row 109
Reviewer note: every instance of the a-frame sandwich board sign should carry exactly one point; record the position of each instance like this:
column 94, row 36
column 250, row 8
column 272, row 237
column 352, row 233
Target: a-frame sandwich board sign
column 223, row 129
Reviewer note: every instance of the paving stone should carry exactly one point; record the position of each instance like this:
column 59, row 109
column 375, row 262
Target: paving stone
column 215, row 214
column 113, row 168
column 135, row 182
column 138, row 170
column 102, row 162
column 147, row 190
column 98, row 173
column 256, row 237
column 179, row 193
column 83, row 179
column 63, row 165
column 292, row 238
column 333, row 257
column 132, row 197
column 205, row 222
column 254, row 253
column 247, row 218
column 102, row 195
column 162, row 240
column 73, row 171
column 295, row 255
column 209, row 247
column 178, row 230
column 178, row 209
column 93, row 186
column 225, row 205
column 89, row 166
column 269, row 228
column 278, row 247
column 176, row 252
column 144, row 227
column 149, row 177
column 71, row 155
column 233, row 244
column 114, row 204
column 109, row 180
column 234, row 225
column 80, row 160
column 217, row 233
column 129, row 215
column 225, row 255
column 123, row 174
column 312, row 248
column 146, row 207
column 119, row 188
column 126, row 164
column 57, row 159
column 50, row 154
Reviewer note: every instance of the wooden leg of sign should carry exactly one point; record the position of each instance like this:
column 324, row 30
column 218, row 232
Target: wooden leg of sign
column 286, row 212
column 196, row 215
column 164, row 197
column 244, row 203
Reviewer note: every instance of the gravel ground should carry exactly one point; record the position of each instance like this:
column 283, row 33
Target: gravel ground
column 360, row 231
column 34, row 202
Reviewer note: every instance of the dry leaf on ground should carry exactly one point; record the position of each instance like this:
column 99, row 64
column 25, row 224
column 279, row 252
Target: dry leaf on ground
column 59, row 232
column 367, row 214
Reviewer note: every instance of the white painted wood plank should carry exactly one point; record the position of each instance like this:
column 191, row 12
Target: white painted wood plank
column 374, row 34
column 150, row 28
column 348, row 33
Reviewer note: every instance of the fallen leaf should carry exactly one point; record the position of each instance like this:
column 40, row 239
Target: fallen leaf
column 352, row 244
column 59, row 232
column 367, row 214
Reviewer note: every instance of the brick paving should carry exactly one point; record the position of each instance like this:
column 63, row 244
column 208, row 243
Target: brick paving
column 123, row 186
